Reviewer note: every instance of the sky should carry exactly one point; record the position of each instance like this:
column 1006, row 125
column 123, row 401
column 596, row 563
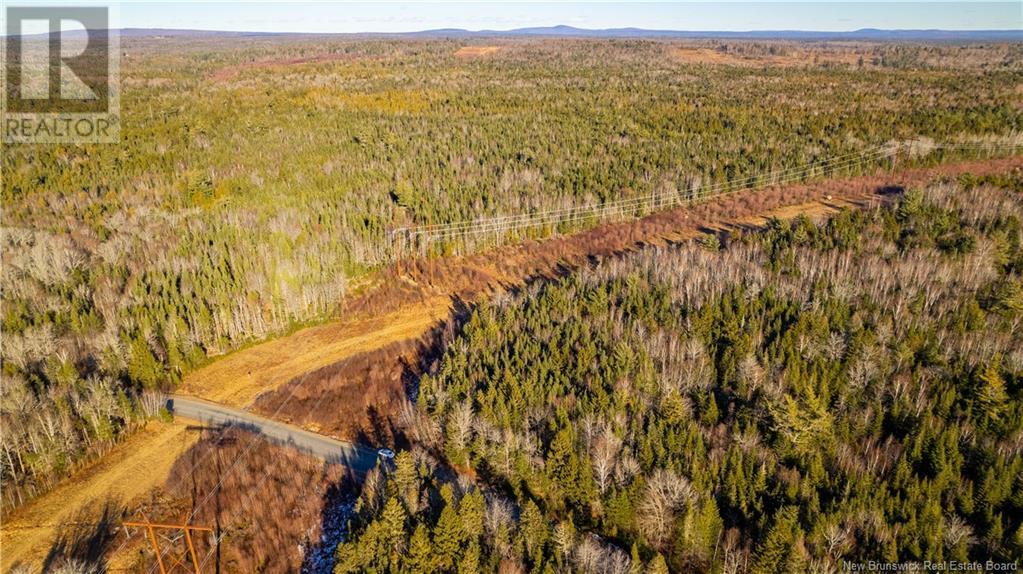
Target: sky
column 344, row 17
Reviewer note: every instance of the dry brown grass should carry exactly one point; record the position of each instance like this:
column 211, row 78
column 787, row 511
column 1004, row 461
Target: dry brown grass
column 125, row 474
column 368, row 390
column 265, row 501
column 476, row 51
column 815, row 210
column 238, row 378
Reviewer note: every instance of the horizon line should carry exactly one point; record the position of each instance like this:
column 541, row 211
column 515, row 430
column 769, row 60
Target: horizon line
column 543, row 30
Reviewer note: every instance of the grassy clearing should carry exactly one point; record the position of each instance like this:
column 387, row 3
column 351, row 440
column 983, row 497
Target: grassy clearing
column 238, row 378
column 476, row 51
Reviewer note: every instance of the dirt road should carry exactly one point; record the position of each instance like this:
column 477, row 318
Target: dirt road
column 356, row 457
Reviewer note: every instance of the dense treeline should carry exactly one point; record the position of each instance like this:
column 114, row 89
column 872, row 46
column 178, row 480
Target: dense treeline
column 801, row 396
column 254, row 182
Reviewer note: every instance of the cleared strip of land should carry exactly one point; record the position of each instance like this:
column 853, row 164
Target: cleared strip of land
column 126, row 473
column 238, row 378
column 468, row 277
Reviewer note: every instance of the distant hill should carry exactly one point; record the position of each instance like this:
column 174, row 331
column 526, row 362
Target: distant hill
column 563, row 31
column 862, row 34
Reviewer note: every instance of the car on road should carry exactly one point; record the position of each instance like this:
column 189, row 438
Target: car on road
column 385, row 454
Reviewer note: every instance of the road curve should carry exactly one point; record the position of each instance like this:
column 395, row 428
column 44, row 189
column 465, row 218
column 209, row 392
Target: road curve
column 358, row 458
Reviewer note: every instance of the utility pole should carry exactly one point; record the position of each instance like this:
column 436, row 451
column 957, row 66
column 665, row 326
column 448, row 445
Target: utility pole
column 396, row 240
column 151, row 528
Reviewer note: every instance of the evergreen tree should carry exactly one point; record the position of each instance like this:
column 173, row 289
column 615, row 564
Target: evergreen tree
column 420, row 557
column 780, row 550
column 447, row 539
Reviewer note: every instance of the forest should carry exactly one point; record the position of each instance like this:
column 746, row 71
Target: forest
column 256, row 182
column 782, row 400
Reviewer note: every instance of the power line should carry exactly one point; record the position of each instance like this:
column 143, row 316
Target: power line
column 634, row 204
column 512, row 218
column 507, row 223
column 510, row 223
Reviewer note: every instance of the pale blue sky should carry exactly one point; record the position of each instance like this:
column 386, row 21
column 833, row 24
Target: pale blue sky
column 411, row 16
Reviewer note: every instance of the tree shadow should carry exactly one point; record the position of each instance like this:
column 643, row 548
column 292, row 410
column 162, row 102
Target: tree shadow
column 338, row 507
column 379, row 426
column 86, row 538
column 888, row 190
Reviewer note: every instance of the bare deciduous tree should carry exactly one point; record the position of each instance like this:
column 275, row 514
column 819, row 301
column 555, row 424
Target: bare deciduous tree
column 666, row 493
column 603, row 455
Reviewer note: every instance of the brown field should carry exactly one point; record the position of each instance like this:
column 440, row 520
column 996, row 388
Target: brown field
column 476, row 51
column 230, row 72
column 371, row 386
column 125, row 474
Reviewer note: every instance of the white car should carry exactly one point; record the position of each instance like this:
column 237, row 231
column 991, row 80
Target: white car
column 386, row 454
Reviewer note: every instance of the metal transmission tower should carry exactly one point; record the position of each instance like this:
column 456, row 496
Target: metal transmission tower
column 152, row 527
column 633, row 206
